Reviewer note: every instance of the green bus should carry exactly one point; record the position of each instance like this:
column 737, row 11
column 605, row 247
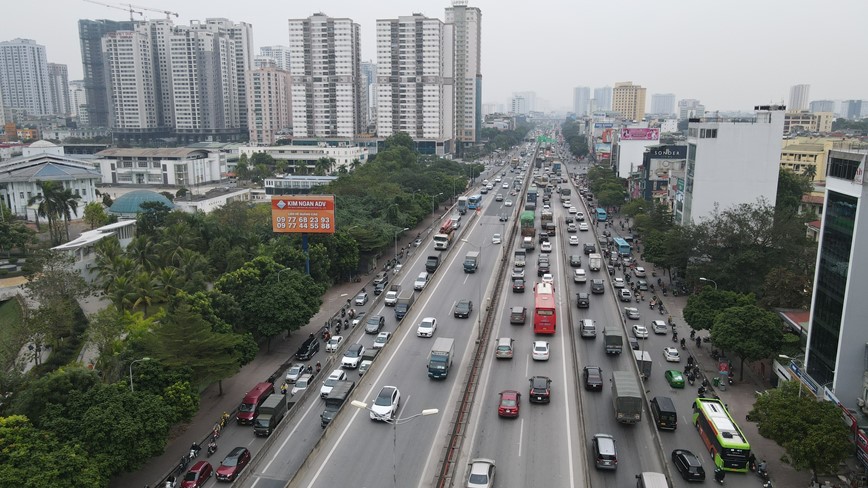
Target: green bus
column 722, row 437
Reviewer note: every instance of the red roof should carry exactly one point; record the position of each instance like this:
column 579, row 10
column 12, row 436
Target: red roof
column 814, row 224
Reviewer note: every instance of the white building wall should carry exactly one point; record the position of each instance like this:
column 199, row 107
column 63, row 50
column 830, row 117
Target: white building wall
column 24, row 79
column 132, row 97
column 630, row 155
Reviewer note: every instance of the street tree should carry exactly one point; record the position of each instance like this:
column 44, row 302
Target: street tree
column 95, row 215
column 52, row 388
column 809, row 430
column 748, row 331
column 14, row 234
column 151, row 218
column 702, row 308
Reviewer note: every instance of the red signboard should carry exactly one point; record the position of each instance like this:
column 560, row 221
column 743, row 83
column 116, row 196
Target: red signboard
column 313, row 214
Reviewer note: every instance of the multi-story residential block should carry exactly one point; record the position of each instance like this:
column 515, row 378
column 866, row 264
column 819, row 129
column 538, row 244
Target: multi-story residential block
column 799, row 97
column 280, row 55
column 269, row 105
column 368, row 93
column 629, row 100
column 581, row 101
column 78, row 102
column 689, row 108
column 325, row 62
column 602, row 99
column 128, row 63
column 795, row 122
column 854, row 109
column 466, row 25
column 58, row 84
column 24, row 78
column 806, row 155
column 90, row 33
column 663, row 103
column 519, row 105
column 823, row 106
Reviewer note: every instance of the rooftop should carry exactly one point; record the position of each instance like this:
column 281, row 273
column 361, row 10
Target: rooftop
column 161, row 152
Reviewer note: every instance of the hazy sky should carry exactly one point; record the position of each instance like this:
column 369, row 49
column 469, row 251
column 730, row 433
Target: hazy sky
column 729, row 54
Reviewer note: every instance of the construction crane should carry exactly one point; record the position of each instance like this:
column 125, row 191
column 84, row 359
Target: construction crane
column 168, row 13
column 130, row 10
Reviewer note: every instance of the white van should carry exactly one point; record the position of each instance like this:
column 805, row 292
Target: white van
column 421, row 281
column 649, row 479
column 588, row 328
column 579, row 276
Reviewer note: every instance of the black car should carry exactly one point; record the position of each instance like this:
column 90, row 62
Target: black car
column 575, row 261
column 598, row 287
column 634, row 343
column 463, row 308
column 590, row 247
column 374, row 324
column 688, row 465
column 504, row 217
column 568, row 219
column 543, row 268
column 540, row 389
column 583, row 300
column 593, row 376
column 518, row 286
column 543, row 237
column 379, row 288
column 307, row 349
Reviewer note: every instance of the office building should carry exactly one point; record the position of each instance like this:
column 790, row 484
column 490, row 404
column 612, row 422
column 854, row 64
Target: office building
column 823, row 106
column 854, row 109
column 518, row 105
column 24, row 79
column 414, row 80
column 628, row 100
column 799, row 97
column 466, row 23
column 689, row 108
column 729, row 162
column 325, row 67
column 602, row 99
column 368, row 93
column 581, row 101
column 269, row 105
column 183, row 166
column 90, row 33
column 663, row 103
column 58, row 85
column 531, row 101
column 280, row 55
column 798, row 122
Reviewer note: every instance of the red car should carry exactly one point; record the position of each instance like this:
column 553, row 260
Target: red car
column 233, row 464
column 509, row 403
column 198, row 475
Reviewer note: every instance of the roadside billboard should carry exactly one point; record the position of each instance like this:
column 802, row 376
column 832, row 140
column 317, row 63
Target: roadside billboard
column 640, row 134
column 312, row 214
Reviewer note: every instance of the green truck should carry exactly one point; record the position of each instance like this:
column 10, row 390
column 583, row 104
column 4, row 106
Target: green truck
column 626, row 397
column 271, row 412
column 471, row 262
column 527, row 219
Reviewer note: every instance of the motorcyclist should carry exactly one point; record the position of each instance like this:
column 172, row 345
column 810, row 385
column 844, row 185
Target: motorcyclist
column 212, row 447
column 761, row 467
column 674, row 336
column 683, row 346
column 194, row 449
column 318, row 366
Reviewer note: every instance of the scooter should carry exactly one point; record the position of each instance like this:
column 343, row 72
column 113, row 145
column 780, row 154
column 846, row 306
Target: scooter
column 212, row 448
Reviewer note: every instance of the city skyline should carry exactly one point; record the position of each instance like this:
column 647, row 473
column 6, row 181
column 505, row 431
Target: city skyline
column 731, row 56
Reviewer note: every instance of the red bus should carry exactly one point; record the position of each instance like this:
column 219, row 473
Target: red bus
column 544, row 314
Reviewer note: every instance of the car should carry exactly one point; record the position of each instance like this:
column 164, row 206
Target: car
column 364, row 366
column 361, row 299
column 569, row 219
column 503, row 217
column 481, row 473
column 397, row 269
column 546, row 206
column 589, row 248
column 543, row 237
column 381, row 340
column 507, row 203
column 593, row 378
column 233, row 464
column 639, row 272
column 295, row 371
column 574, row 240
column 545, row 247
column 359, row 317
column 575, row 261
column 518, row 285
column 640, row 331
column 503, row 348
column 598, row 287
column 517, row 273
column 334, row 343
column 352, row 356
column 611, row 270
column 659, row 326
column 543, row 267
column 674, row 378
column 417, row 242
column 583, row 300
column 301, row 383
column 548, row 278
column 618, row 282
column 580, row 216
column 540, row 351
column 198, row 475
column 495, row 239
column 642, row 285
column 671, row 354
column 427, row 327
column 381, row 278
column 505, row 185
column 566, row 204
column 634, row 344
column 421, row 281
column 385, row 406
column 574, row 210
column 331, row 381
column 624, row 295
column 509, row 404
column 632, row 313
column 583, row 226
column 379, row 288
column 571, row 228
column 688, row 465
column 374, row 324
column 463, row 308
column 540, row 389
column 498, row 197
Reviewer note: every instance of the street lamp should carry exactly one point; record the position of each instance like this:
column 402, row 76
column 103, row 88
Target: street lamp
column 709, row 279
column 396, row 240
column 395, row 423
column 434, row 197
column 131, row 370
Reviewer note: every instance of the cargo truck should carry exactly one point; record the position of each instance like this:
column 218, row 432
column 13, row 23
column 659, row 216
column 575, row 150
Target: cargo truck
column 432, row 263
column 271, row 412
column 643, row 361
column 462, row 205
column 526, row 221
column 405, row 301
column 335, row 399
column 627, row 397
column 613, row 340
column 392, row 295
column 595, row 261
column 444, row 237
column 471, row 262
column 527, row 244
column 520, row 258
column 440, row 358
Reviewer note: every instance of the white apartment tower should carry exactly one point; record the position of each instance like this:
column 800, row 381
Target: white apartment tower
column 130, row 81
column 24, row 80
column 78, row 102
column 280, row 55
column 603, row 99
column 467, row 54
column 799, row 98
column 368, row 102
column 58, row 83
column 519, row 105
column 242, row 34
column 325, row 57
column 663, row 104
column 689, row 108
column 414, row 78
column 581, row 101
column 269, row 105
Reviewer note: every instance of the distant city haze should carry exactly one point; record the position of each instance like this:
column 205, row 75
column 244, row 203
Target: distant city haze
column 730, row 55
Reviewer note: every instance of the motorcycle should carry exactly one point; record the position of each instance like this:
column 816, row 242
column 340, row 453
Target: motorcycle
column 684, row 346
column 715, row 354
column 762, row 472
column 662, row 311
column 730, row 377
column 171, row 482
column 691, row 378
column 212, row 448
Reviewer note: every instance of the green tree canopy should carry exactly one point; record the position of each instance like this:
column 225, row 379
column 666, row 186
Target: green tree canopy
column 748, row 331
column 703, row 308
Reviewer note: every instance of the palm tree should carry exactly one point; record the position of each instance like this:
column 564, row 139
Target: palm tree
column 144, row 253
column 55, row 203
column 146, row 291
column 67, row 204
column 121, row 292
column 810, row 171
column 175, row 238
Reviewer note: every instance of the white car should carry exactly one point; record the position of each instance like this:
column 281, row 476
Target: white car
column 574, row 240
column 507, row 203
column 505, row 185
column 427, row 327
column 548, row 278
column 540, row 351
column 481, row 473
column 331, row 381
column 495, row 239
column 545, row 247
column 573, row 210
column 385, row 406
column 334, row 343
column 671, row 354
column 632, row 313
column 421, row 281
column 566, row 204
column 640, row 331
column 301, row 383
column 583, row 226
column 618, row 282
column 639, row 272
column 382, row 339
column 580, row 216
column 546, row 206
column 361, row 299
column 294, row 373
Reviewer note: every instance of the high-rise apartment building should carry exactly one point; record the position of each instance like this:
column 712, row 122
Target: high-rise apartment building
column 518, row 105
column 242, row 35
column 854, row 109
column 822, row 106
column 368, row 92
column 603, row 99
column 529, row 99
column 629, row 100
column 128, row 64
column 325, row 66
column 414, row 75
column 280, row 55
column 466, row 25
column 269, row 105
column 58, row 84
column 689, row 108
column 90, row 33
column 799, row 97
column 24, row 79
column 581, row 101
column 663, row 103
column 78, row 102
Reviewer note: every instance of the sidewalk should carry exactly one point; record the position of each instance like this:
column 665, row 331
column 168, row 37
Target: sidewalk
column 213, row 404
